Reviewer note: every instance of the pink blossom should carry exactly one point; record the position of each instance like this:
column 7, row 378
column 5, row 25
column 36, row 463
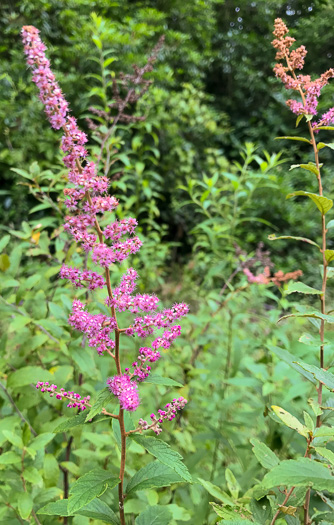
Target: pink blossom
column 74, row 399
column 126, row 391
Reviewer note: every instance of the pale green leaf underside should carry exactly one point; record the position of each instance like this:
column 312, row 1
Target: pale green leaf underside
column 272, row 237
column 301, row 139
column 290, row 421
column 300, row 472
column 264, row 455
column 314, row 315
column 323, row 204
column 325, row 377
column 216, row 492
column 301, row 288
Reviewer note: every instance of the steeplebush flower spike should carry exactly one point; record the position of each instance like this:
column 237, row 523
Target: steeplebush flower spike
column 85, row 198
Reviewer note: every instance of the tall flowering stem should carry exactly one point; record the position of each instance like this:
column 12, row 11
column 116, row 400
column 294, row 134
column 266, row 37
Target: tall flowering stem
column 309, row 90
column 86, row 198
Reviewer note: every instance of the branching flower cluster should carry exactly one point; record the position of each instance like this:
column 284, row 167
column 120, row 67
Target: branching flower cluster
column 86, row 198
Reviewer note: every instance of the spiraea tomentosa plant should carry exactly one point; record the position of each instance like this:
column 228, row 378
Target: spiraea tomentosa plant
column 87, row 197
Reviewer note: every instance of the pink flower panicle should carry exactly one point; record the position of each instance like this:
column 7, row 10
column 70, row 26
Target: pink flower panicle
column 303, row 84
column 126, row 391
column 169, row 413
column 79, row 279
column 75, row 399
column 87, row 197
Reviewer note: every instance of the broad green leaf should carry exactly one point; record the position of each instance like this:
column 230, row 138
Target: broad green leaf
column 55, row 508
column 264, row 455
column 323, row 204
column 8, row 458
column 71, row 422
column 324, row 431
column 272, row 237
column 24, row 504
column 155, row 515
column 325, row 377
column 51, row 470
column 325, row 453
column 99, row 510
column 300, row 472
column 290, row 359
column 103, row 398
column 32, row 475
column 330, row 224
column 89, row 487
column 154, row 474
column 312, row 315
column 301, row 139
column 28, row 374
column 41, row 441
column 309, row 340
column 290, row 421
column 309, row 167
column 216, row 492
column 164, row 454
column 4, row 241
column 301, row 288
column 13, row 438
column 232, row 484
column 309, row 423
column 23, row 173
column 159, row 380
column 329, row 255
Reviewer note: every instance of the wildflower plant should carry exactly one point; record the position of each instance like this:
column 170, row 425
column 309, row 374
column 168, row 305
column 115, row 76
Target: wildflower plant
column 87, row 199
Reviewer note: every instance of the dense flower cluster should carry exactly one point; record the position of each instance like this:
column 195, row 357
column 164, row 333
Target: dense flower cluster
column 278, row 278
column 85, row 199
column 308, row 89
column 169, row 413
column 74, row 399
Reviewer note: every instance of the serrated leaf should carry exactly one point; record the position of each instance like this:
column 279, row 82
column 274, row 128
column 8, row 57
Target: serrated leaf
column 41, row 441
column 301, row 139
column 323, row 376
column 314, row 315
column 71, row 422
column 323, row 204
column 155, row 515
column 159, row 380
column 290, row 359
column 309, row 167
column 55, row 508
column 103, row 398
column 325, row 453
column 24, row 504
column 89, row 487
column 216, row 492
column 272, row 237
column 300, row 472
column 164, row 454
column 301, row 288
column 99, row 510
column 264, row 455
column 154, row 474
column 232, row 484
column 290, row 421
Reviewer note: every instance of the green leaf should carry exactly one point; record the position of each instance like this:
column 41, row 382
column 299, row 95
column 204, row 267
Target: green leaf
column 325, row 377
column 155, row 515
column 32, row 475
column 301, row 288
column 312, row 315
column 272, row 237
column 71, row 422
column 264, row 455
column 331, row 128
column 323, row 204
column 290, row 421
column 4, row 241
column 301, row 139
column 89, row 487
column 159, row 380
column 309, row 167
column 300, row 472
column 103, row 398
column 298, row 119
column 290, row 359
column 329, row 255
column 164, row 454
column 325, row 453
column 330, row 224
column 41, row 441
column 154, row 474
column 28, row 374
column 8, row 458
column 55, row 508
column 23, row 173
column 232, row 484
column 216, row 492
column 14, row 439
column 99, row 510
column 4, row 264
column 24, row 503
column 51, row 470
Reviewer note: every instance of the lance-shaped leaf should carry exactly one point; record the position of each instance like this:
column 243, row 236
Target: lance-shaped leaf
column 323, row 376
column 89, row 487
column 102, row 400
column 331, row 128
column 272, row 237
column 323, row 204
column 301, row 139
column 164, row 454
column 290, row 421
column 164, row 381
column 288, row 358
column 300, row 472
column 96, row 509
column 154, row 474
column 264, row 455
column 312, row 315
column 216, row 492
column 301, row 288
column 325, row 453
column 309, row 167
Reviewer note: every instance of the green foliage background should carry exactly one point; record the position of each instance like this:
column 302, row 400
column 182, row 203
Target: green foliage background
column 201, row 174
